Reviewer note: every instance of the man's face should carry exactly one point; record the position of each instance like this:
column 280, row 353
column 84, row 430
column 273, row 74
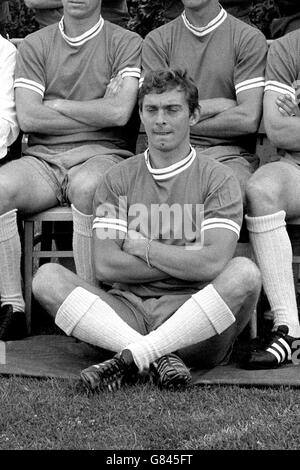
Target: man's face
column 197, row 4
column 166, row 120
column 81, row 8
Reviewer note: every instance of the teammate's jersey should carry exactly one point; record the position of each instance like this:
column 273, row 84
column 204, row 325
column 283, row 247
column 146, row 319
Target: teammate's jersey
column 224, row 59
column 56, row 66
column 175, row 205
column 283, row 69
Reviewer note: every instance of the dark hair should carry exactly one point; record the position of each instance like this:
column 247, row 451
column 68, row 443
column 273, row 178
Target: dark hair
column 160, row 81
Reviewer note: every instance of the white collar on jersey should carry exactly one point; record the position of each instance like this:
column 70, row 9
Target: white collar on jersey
column 211, row 26
column 172, row 170
column 79, row 40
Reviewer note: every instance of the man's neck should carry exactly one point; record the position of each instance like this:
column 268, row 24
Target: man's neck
column 203, row 15
column 160, row 159
column 74, row 27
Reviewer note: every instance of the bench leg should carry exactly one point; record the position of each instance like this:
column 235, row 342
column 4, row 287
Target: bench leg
column 46, row 241
column 28, row 270
column 296, row 275
column 253, row 325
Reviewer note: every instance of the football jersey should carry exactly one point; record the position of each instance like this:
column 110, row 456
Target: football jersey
column 283, row 70
column 224, row 58
column 56, row 66
column 175, row 205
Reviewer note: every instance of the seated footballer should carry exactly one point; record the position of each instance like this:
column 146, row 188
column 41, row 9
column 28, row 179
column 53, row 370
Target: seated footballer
column 166, row 225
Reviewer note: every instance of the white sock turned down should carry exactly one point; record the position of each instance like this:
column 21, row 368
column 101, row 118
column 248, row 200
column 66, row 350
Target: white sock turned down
column 87, row 317
column 90, row 319
column 204, row 315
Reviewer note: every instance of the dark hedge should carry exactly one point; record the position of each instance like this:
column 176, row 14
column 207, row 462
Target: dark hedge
column 22, row 20
column 145, row 16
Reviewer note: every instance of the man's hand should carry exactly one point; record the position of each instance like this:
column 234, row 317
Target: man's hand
column 213, row 106
column 287, row 106
column 114, row 86
column 53, row 104
column 135, row 244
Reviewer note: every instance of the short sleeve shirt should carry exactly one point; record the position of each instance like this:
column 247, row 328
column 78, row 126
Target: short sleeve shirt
column 175, row 205
column 55, row 66
column 224, row 59
column 283, row 65
column 283, row 69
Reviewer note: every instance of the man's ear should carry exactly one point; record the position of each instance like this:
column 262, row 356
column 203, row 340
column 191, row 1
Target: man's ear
column 195, row 117
column 141, row 115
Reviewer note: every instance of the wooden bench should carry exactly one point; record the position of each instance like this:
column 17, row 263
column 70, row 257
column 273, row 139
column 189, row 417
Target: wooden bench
column 44, row 237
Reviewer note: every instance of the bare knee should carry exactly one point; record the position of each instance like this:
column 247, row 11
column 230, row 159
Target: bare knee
column 264, row 194
column 81, row 192
column 46, row 281
column 8, row 195
column 247, row 277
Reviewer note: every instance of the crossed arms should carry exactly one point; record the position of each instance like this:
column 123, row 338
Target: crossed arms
column 222, row 117
column 126, row 262
column 56, row 117
column 282, row 120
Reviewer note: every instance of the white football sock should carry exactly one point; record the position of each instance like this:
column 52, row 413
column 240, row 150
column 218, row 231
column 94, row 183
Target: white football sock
column 273, row 252
column 204, row 315
column 82, row 246
column 10, row 262
column 87, row 317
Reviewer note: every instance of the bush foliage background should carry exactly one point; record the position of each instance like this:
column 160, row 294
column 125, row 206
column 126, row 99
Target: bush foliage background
column 145, row 15
column 22, row 20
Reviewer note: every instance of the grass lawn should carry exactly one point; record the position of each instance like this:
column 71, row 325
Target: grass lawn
column 59, row 414
column 52, row 414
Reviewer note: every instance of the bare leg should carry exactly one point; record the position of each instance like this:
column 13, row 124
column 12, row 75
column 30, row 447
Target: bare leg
column 239, row 286
column 205, row 315
column 84, row 311
column 229, row 301
column 83, row 181
column 53, row 284
column 21, row 188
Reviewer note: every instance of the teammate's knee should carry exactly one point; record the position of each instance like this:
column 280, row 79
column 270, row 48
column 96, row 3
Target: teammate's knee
column 8, row 195
column 247, row 275
column 260, row 195
column 46, row 280
column 81, row 192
